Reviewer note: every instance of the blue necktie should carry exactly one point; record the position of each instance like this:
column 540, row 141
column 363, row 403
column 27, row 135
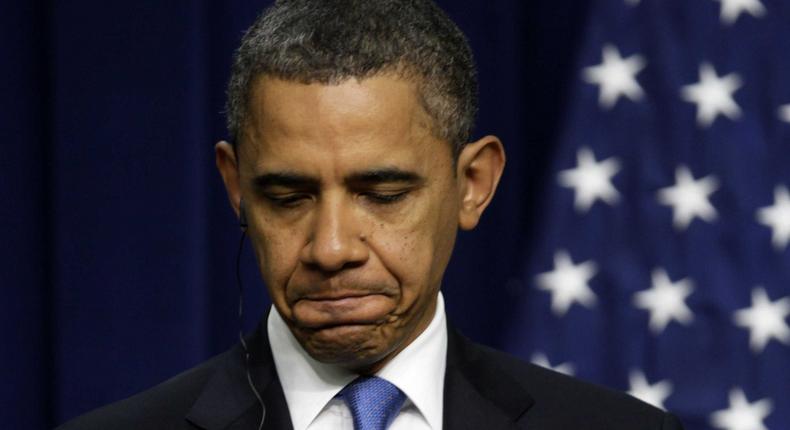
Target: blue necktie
column 374, row 402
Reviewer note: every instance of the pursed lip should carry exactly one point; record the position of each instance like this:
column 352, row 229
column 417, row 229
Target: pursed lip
column 337, row 295
column 331, row 309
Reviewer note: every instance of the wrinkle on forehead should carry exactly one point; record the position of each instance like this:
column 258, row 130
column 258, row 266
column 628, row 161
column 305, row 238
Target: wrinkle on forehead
column 333, row 118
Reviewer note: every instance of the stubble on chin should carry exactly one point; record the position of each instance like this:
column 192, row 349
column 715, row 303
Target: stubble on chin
column 361, row 348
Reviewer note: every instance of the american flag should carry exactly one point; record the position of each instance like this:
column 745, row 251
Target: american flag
column 662, row 263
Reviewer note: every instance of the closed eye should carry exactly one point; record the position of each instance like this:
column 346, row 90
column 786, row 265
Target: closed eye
column 386, row 198
column 286, row 200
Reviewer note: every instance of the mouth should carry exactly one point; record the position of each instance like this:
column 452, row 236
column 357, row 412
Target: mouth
column 329, row 310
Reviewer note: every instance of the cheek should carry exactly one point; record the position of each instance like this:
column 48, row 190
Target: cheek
column 277, row 253
column 416, row 251
column 438, row 233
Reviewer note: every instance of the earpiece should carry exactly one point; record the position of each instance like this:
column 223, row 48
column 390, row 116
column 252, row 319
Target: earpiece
column 245, row 349
column 242, row 216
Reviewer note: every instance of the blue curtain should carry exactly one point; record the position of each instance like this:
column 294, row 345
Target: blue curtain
column 119, row 244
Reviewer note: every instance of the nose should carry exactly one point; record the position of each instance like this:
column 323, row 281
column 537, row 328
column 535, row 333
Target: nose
column 336, row 241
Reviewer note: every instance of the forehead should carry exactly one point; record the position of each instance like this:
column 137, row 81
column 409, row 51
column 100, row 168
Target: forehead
column 378, row 114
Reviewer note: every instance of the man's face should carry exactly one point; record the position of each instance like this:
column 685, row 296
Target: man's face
column 353, row 207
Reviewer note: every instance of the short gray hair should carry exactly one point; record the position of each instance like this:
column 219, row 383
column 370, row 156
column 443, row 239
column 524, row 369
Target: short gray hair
column 329, row 41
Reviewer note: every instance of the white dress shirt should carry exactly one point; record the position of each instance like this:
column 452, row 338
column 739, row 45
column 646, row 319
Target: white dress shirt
column 310, row 386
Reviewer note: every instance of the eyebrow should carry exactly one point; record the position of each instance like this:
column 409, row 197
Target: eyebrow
column 365, row 177
column 285, row 179
column 384, row 175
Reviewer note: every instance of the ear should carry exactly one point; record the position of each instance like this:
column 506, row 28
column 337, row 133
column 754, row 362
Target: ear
column 479, row 169
column 225, row 157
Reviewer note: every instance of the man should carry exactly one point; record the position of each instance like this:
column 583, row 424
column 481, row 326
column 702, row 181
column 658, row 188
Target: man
column 351, row 171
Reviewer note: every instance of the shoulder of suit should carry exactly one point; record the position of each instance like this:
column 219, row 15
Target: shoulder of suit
column 559, row 395
column 167, row 402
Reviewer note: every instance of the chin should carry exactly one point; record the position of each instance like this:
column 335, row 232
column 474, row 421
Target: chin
column 353, row 347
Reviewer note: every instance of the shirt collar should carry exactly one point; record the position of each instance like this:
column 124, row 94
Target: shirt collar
column 419, row 368
column 309, row 385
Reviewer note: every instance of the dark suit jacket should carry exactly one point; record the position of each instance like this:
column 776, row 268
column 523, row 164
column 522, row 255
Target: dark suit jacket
column 484, row 389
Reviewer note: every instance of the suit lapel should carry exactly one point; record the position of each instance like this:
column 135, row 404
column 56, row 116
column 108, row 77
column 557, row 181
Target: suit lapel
column 227, row 402
column 477, row 394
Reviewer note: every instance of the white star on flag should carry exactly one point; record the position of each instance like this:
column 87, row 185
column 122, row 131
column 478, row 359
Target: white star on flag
column 654, row 394
column 784, row 113
column 765, row 320
column 665, row 301
column 541, row 360
column 615, row 76
column 742, row 415
column 732, row 9
column 591, row 180
column 567, row 283
column 689, row 198
column 713, row 95
column 777, row 217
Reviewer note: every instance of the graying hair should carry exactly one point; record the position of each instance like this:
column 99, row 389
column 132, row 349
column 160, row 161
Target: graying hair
column 329, row 41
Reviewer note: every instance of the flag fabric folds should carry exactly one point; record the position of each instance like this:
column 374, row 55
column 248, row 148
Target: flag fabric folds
column 661, row 265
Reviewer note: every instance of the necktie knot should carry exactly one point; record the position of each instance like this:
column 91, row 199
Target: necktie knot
column 374, row 402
